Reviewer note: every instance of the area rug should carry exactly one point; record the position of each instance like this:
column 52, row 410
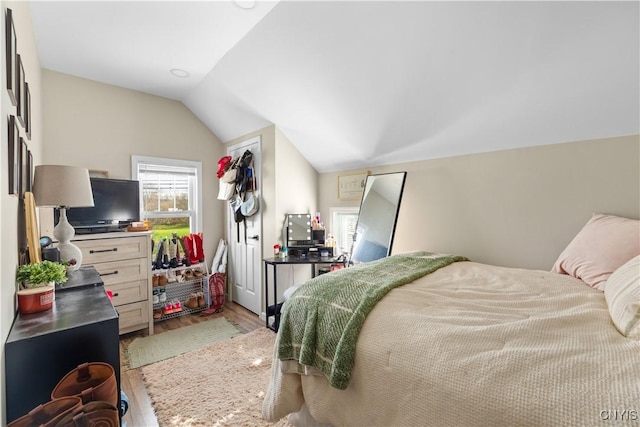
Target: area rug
column 145, row 350
column 223, row 384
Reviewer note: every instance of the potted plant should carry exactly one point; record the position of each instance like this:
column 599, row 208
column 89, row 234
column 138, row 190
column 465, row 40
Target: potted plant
column 38, row 285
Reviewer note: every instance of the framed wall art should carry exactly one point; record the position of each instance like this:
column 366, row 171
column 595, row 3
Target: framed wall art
column 27, row 111
column 13, row 155
column 24, row 167
column 30, row 167
column 11, row 52
column 351, row 187
column 20, row 90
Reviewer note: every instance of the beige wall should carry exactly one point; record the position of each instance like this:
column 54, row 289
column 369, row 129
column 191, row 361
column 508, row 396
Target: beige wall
column 296, row 182
column 9, row 206
column 517, row 208
column 100, row 126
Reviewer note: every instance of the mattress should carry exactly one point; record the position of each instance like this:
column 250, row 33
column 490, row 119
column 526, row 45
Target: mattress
column 475, row 344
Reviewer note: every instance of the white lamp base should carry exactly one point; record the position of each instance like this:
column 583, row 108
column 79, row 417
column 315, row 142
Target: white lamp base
column 64, row 232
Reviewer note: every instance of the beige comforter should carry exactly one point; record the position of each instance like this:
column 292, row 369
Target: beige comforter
column 473, row 344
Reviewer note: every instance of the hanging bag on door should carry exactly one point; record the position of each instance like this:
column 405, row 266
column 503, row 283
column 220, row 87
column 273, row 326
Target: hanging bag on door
column 231, row 172
column 226, row 190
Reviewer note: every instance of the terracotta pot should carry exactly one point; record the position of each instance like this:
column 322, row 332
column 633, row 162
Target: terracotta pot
column 33, row 300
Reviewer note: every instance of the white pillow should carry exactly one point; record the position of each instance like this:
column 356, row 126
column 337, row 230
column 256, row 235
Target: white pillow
column 622, row 293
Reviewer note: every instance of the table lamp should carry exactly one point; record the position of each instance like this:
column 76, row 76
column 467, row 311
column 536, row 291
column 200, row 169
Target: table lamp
column 63, row 187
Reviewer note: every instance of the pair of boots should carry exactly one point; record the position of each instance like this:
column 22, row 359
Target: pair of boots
column 70, row 412
column 87, row 395
column 192, row 246
column 195, row 300
column 167, row 255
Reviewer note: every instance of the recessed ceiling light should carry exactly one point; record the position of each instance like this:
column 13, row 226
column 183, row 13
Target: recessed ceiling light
column 245, row 4
column 178, row 72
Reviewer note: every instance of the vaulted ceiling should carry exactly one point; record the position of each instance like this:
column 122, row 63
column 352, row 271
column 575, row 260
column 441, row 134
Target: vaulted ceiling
column 355, row 84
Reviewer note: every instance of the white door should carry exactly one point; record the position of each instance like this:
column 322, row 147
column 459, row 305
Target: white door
column 245, row 246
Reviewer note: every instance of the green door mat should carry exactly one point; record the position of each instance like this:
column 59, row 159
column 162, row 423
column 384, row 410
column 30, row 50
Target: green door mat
column 146, row 350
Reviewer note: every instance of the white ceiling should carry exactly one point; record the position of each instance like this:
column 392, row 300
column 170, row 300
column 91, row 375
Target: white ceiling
column 355, row 84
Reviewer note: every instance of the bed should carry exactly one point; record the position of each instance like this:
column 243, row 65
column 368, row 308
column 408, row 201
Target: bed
column 474, row 344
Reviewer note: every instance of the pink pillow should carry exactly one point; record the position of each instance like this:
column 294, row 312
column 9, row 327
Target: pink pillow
column 605, row 243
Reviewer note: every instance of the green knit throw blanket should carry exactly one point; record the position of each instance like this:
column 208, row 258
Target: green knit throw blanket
column 322, row 320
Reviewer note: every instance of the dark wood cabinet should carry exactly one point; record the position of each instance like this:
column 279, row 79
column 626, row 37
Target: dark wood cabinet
column 43, row 347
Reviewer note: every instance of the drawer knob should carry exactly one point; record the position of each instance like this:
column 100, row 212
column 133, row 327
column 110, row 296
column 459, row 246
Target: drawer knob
column 96, row 251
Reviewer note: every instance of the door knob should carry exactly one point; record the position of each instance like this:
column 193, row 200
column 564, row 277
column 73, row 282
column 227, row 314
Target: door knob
column 256, row 237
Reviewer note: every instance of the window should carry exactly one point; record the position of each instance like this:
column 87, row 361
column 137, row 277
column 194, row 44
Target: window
column 170, row 194
column 343, row 226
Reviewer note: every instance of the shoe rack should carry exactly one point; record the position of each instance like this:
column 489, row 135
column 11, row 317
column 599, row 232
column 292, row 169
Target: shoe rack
column 183, row 288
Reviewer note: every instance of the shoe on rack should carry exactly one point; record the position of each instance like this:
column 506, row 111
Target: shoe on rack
column 192, row 301
column 187, row 274
column 159, row 256
column 171, row 276
column 156, row 296
column 186, row 250
column 197, row 272
column 157, row 313
column 177, row 306
column 201, row 301
column 162, row 296
column 198, row 244
column 163, row 280
column 167, row 308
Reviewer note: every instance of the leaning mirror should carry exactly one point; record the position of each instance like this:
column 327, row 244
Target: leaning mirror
column 378, row 215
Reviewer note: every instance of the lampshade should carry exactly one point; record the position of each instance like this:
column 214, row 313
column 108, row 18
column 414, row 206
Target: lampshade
column 63, row 187
column 56, row 185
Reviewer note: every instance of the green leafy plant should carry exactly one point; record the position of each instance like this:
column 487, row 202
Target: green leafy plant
column 41, row 274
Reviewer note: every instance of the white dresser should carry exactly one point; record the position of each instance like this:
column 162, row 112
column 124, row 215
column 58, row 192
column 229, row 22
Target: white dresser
column 124, row 262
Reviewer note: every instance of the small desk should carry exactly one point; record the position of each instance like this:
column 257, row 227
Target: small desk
column 313, row 261
column 82, row 326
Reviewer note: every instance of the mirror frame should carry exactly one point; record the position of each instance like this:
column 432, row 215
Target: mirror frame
column 290, row 241
column 368, row 185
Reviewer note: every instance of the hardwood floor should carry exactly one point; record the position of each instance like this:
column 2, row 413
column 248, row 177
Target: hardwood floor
column 140, row 413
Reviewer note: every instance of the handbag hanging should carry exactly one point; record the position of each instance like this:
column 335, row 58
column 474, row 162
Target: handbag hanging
column 226, row 190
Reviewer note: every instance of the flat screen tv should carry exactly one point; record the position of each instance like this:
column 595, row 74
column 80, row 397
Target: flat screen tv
column 116, row 206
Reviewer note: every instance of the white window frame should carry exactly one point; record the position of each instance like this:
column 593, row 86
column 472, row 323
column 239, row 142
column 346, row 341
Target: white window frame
column 197, row 221
column 341, row 210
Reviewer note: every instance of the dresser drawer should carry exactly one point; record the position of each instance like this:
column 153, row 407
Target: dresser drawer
column 128, row 292
column 103, row 250
column 133, row 317
column 123, row 271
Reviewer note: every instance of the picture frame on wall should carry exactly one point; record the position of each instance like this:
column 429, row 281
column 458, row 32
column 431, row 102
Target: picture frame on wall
column 27, row 111
column 30, row 167
column 24, row 167
column 13, row 155
column 351, row 186
column 11, row 52
column 20, row 108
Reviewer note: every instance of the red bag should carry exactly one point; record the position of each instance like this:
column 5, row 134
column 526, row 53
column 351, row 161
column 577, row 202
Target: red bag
column 216, row 290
